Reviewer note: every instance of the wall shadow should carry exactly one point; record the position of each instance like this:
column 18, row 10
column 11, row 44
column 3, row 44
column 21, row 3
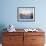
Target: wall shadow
column 2, row 29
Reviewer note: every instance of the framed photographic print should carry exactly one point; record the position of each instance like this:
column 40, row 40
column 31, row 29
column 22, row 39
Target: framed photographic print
column 26, row 14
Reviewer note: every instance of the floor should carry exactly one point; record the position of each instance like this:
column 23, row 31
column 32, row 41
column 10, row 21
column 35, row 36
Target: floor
column 0, row 44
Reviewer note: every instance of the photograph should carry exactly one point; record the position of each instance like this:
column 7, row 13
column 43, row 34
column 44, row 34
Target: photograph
column 26, row 14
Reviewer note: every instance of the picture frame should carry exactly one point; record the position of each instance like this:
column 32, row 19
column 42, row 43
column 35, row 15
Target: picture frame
column 26, row 14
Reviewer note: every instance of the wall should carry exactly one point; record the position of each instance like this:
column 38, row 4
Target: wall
column 8, row 13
